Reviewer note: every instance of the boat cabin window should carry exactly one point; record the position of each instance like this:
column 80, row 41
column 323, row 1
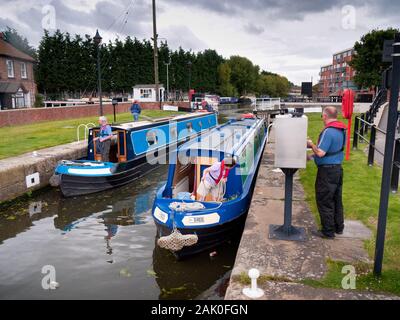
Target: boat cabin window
column 151, row 138
column 174, row 133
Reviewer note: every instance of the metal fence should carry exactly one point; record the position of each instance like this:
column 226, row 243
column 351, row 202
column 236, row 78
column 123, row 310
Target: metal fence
column 361, row 128
column 265, row 104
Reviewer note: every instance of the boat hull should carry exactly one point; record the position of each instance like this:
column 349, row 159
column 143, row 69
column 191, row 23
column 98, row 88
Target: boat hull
column 209, row 238
column 72, row 186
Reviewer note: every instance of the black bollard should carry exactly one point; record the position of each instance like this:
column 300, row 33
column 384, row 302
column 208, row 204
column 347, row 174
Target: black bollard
column 287, row 231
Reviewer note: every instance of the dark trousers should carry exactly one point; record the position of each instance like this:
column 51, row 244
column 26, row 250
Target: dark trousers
column 328, row 190
column 104, row 149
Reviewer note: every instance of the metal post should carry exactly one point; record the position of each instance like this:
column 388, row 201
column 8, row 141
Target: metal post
column 287, row 231
column 396, row 169
column 371, row 150
column 388, row 158
column 355, row 136
column 362, row 126
column 366, row 119
column 155, row 38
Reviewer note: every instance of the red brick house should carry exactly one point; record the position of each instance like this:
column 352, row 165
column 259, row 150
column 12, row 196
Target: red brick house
column 17, row 83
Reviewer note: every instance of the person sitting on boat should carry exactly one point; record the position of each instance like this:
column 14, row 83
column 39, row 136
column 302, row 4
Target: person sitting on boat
column 136, row 110
column 213, row 178
column 105, row 136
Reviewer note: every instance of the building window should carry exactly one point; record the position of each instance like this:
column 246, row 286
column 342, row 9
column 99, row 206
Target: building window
column 146, row 93
column 10, row 68
column 24, row 73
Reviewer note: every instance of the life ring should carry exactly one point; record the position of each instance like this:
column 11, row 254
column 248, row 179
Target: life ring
column 248, row 116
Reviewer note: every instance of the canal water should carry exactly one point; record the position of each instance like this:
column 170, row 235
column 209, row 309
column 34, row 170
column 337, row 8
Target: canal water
column 101, row 246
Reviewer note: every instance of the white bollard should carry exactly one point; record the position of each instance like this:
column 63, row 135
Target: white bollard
column 254, row 292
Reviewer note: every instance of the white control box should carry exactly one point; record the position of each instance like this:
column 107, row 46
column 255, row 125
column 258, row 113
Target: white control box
column 291, row 142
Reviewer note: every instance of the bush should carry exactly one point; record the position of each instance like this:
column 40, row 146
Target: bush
column 39, row 101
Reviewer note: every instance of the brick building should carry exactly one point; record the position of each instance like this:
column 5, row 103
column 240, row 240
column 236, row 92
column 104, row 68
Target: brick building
column 17, row 83
column 338, row 76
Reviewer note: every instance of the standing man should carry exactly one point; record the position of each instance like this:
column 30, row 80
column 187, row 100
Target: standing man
column 136, row 110
column 105, row 136
column 328, row 156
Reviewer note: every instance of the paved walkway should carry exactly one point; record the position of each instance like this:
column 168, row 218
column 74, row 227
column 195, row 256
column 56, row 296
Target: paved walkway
column 287, row 263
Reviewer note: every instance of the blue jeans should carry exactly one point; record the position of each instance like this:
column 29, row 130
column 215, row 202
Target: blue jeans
column 135, row 116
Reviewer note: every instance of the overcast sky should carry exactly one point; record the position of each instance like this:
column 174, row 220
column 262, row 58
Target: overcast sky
column 293, row 38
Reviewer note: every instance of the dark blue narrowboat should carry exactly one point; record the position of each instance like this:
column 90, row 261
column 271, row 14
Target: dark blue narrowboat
column 197, row 225
column 137, row 148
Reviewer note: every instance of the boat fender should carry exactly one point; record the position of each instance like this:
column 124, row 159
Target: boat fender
column 176, row 241
column 55, row 180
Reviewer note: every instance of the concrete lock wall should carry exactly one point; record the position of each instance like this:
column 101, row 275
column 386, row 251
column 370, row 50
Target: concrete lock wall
column 30, row 172
column 33, row 115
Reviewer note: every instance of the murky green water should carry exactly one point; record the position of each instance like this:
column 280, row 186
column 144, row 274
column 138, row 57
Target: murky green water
column 102, row 247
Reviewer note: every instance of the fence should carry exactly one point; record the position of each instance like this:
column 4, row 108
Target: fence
column 361, row 128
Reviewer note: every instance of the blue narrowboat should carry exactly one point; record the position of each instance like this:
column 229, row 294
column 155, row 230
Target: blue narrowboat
column 196, row 225
column 137, row 149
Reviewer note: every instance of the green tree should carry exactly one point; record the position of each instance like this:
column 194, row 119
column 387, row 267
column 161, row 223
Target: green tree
column 244, row 74
column 224, row 78
column 18, row 41
column 367, row 60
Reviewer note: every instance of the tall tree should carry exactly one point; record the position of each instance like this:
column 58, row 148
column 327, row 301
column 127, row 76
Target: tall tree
column 18, row 41
column 367, row 60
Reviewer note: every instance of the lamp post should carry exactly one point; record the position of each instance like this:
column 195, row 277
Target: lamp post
column 167, row 64
column 97, row 40
column 190, row 74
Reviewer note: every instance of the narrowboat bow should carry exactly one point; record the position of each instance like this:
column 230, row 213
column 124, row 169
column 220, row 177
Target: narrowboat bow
column 137, row 149
column 190, row 226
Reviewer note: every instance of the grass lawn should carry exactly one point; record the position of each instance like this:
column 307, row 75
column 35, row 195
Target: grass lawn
column 22, row 139
column 361, row 195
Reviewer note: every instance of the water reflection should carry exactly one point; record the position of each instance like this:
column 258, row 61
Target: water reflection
column 102, row 246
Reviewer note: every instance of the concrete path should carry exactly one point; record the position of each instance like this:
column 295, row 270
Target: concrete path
column 15, row 171
column 286, row 263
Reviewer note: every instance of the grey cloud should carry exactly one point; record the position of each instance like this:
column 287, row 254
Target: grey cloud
column 253, row 29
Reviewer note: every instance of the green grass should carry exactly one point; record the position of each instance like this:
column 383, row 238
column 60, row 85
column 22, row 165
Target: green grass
column 17, row 140
column 361, row 195
column 365, row 280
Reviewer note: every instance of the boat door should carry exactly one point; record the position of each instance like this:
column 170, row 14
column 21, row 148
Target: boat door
column 122, row 152
column 203, row 162
column 97, row 154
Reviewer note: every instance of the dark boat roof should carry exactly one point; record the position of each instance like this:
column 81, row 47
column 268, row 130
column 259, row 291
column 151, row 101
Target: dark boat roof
column 131, row 126
column 226, row 138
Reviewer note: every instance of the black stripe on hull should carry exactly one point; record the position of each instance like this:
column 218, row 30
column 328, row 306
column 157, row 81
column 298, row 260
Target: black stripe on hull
column 208, row 237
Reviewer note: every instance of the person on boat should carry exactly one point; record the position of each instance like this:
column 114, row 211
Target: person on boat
column 104, row 139
column 213, row 177
column 136, row 110
column 328, row 156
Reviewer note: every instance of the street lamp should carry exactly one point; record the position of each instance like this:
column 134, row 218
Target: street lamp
column 190, row 74
column 167, row 65
column 97, row 40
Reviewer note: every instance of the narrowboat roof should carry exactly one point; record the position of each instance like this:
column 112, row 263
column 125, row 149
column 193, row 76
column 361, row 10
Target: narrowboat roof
column 141, row 124
column 226, row 138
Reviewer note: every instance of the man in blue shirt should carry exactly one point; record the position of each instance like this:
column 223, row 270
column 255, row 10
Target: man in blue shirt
column 328, row 156
column 136, row 110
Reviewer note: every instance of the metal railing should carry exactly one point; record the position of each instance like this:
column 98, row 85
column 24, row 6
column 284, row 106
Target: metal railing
column 86, row 127
column 361, row 127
